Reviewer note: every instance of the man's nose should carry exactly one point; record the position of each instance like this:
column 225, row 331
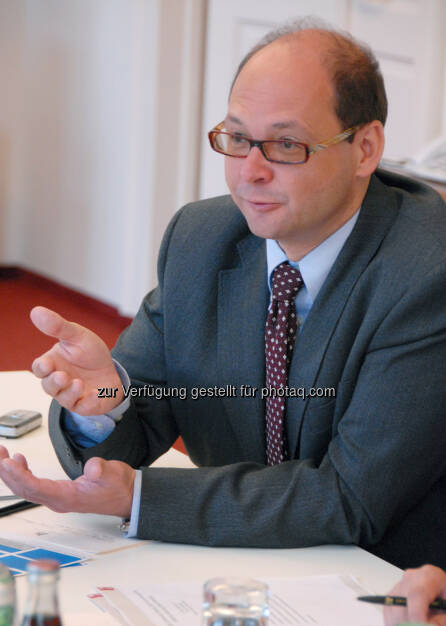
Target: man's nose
column 255, row 168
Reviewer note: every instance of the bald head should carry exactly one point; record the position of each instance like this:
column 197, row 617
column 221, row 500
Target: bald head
column 289, row 75
column 355, row 79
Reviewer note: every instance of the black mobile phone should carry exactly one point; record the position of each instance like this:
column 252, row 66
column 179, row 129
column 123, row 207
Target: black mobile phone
column 17, row 423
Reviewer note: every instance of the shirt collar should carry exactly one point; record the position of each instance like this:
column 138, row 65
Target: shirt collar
column 315, row 265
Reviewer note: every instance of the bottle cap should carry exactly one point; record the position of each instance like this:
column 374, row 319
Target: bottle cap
column 42, row 565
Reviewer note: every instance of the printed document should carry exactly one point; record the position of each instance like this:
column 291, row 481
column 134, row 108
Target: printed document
column 317, row 600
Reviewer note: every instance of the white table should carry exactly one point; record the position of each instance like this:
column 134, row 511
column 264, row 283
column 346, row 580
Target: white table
column 152, row 561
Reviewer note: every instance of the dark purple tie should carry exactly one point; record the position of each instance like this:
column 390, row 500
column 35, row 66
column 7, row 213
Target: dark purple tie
column 280, row 333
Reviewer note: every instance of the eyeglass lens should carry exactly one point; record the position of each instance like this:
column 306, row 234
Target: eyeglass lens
column 239, row 146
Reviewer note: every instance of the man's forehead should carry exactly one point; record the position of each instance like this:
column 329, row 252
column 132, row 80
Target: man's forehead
column 290, row 57
column 292, row 67
column 284, row 84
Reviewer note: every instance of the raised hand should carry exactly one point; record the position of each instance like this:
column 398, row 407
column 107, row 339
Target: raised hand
column 76, row 367
column 105, row 487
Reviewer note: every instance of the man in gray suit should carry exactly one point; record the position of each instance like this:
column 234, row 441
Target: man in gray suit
column 365, row 466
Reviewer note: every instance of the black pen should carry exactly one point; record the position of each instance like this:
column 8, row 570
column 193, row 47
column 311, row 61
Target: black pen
column 400, row 601
column 17, row 507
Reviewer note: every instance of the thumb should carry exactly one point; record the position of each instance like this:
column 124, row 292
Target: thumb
column 94, row 468
column 52, row 324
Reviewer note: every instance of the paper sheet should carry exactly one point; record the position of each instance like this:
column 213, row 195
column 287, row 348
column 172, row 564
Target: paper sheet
column 317, row 600
column 81, row 619
column 77, row 533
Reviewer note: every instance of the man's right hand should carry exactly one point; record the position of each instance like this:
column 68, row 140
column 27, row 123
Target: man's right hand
column 76, row 366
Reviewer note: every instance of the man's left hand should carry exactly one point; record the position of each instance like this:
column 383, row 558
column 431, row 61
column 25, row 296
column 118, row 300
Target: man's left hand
column 105, row 486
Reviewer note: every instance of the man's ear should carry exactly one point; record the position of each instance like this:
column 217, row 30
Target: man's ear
column 369, row 146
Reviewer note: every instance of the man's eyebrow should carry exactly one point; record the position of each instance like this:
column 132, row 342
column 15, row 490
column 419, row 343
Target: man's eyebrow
column 291, row 124
column 232, row 118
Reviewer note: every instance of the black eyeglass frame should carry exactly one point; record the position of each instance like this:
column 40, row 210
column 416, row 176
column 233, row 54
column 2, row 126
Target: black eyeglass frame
column 259, row 143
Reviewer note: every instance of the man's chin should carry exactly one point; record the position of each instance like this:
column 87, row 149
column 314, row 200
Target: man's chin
column 262, row 227
column 265, row 231
column 264, row 223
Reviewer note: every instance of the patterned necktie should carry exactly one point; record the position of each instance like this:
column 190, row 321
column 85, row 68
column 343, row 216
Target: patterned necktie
column 281, row 328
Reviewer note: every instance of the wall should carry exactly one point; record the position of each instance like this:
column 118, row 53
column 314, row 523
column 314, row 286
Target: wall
column 12, row 16
column 92, row 87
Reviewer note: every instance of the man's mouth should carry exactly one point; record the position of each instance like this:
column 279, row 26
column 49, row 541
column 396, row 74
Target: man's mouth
column 262, row 205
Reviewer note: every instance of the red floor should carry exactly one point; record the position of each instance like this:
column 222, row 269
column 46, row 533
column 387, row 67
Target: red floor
column 21, row 342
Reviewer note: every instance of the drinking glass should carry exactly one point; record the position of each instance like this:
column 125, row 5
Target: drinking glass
column 235, row 602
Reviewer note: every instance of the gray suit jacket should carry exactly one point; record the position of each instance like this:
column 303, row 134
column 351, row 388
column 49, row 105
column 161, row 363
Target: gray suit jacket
column 368, row 466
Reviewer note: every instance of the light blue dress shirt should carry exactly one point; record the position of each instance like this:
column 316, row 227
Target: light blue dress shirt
column 314, row 268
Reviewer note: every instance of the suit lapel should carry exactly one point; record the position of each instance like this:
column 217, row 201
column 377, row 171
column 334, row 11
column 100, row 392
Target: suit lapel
column 242, row 308
column 376, row 217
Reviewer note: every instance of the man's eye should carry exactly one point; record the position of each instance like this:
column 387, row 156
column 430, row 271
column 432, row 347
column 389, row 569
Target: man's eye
column 288, row 144
column 238, row 138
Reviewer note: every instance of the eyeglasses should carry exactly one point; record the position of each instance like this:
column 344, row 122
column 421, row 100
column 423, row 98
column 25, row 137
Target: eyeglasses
column 274, row 150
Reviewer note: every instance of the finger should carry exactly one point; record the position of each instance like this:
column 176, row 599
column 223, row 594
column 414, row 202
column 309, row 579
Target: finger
column 4, row 454
column 394, row 615
column 94, row 469
column 52, row 324
column 43, row 366
column 88, row 404
column 55, row 383
column 11, row 473
column 69, row 396
column 24, row 484
column 21, row 460
column 418, row 608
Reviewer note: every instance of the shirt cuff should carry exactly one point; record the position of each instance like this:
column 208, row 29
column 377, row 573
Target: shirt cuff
column 134, row 515
column 88, row 431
